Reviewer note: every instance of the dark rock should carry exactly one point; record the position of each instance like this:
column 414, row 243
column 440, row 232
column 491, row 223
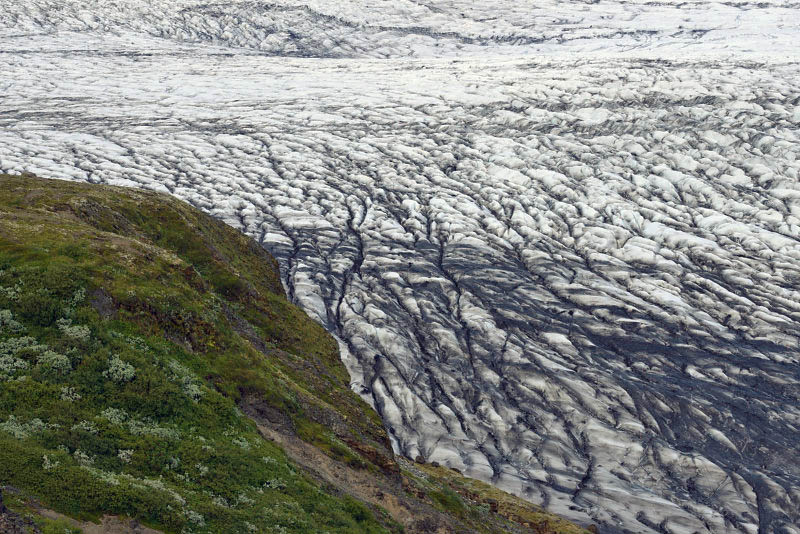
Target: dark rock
column 384, row 461
column 103, row 303
column 264, row 413
column 13, row 523
column 427, row 524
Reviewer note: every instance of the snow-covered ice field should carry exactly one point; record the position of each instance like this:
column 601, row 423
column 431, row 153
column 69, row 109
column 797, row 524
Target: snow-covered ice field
column 559, row 241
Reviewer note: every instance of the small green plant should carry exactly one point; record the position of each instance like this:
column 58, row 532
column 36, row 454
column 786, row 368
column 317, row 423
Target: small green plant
column 449, row 500
column 119, row 371
column 7, row 322
column 38, row 307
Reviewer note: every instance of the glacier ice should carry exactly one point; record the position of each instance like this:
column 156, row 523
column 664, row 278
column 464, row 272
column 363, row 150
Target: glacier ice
column 558, row 242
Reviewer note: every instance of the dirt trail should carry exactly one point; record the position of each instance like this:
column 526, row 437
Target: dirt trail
column 12, row 523
column 109, row 524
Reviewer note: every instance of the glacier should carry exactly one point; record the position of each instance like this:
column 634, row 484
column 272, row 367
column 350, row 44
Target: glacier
column 558, row 242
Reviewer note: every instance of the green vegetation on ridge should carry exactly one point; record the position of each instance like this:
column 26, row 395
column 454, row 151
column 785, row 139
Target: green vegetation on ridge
column 120, row 367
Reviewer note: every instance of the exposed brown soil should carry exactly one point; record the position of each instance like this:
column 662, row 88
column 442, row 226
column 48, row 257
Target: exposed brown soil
column 376, row 489
column 109, row 524
column 13, row 523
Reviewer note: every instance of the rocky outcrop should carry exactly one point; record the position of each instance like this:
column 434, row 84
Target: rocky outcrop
column 13, row 523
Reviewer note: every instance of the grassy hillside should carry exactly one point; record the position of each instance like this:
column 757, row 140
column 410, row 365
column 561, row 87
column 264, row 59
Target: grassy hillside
column 151, row 368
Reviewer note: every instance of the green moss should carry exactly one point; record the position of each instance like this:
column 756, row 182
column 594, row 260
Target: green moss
column 323, row 439
column 129, row 407
column 484, row 508
column 448, row 500
column 60, row 526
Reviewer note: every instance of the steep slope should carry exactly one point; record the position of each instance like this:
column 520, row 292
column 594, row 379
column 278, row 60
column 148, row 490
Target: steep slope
column 152, row 368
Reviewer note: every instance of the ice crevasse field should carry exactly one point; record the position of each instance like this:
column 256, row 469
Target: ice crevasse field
column 559, row 242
